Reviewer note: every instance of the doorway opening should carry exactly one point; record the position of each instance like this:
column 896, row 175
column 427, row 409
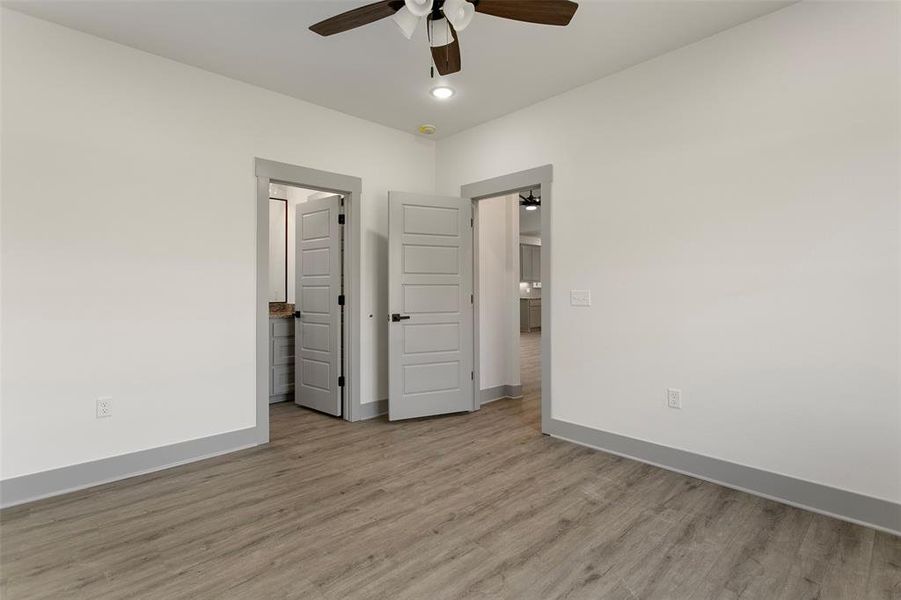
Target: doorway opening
column 512, row 317
column 507, row 259
column 308, row 281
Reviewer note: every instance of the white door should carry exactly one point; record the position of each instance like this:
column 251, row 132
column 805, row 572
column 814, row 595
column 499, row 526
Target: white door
column 317, row 340
column 430, row 301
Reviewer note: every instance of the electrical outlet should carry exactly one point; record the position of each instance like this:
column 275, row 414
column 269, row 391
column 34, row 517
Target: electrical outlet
column 674, row 398
column 104, row 407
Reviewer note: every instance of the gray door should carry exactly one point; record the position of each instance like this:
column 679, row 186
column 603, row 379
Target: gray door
column 317, row 269
column 430, row 301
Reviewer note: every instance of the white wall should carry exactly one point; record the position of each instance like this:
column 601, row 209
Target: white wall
column 128, row 250
column 734, row 208
column 498, row 283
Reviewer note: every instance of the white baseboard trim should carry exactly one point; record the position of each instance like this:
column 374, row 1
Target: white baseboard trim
column 27, row 488
column 372, row 410
column 499, row 392
column 877, row 513
column 842, row 504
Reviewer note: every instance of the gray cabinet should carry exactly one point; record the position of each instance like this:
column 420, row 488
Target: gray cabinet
column 529, row 262
column 529, row 314
column 281, row 360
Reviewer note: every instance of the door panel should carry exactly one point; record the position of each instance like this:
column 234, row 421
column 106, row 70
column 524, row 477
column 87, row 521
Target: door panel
column 433, row 377
column 431, row 259
column 315, row 337
column 317, row 287
column 431, row 220
column 429, row 287
column 443, row 337
column 316, row 225
column 431, row 298
column 315, row 299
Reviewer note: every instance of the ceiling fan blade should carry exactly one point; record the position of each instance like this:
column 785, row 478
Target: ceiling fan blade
column 447, row 58
column 544, row 12
column 357, row 17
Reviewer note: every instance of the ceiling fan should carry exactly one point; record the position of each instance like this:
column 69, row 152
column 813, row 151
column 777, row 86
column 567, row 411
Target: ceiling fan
column 530, row 202
column 444, row 18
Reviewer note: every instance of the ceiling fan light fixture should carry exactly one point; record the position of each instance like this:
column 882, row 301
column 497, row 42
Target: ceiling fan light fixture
column 442, row 92
column 459, row 13
column 420, row 8
column 407, row 21
column 439, row 33
column 530, row 202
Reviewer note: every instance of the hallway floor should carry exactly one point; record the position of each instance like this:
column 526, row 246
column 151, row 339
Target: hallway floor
column 478, row 505
column 530, row 372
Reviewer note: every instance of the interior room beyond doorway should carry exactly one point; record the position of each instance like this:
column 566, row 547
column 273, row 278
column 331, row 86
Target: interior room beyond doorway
column 509, row 296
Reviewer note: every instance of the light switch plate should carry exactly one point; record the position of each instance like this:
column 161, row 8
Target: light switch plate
column 580, row 297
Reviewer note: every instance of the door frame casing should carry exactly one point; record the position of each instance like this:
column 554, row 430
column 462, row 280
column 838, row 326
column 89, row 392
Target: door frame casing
column 500, row 186
column 269, row 171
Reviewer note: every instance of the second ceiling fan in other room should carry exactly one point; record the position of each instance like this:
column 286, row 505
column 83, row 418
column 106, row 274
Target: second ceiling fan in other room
column 444, row 18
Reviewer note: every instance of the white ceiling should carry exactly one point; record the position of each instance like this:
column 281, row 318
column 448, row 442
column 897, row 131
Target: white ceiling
column 377, row 74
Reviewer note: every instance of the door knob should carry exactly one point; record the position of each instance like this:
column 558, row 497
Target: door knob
column 397, row 317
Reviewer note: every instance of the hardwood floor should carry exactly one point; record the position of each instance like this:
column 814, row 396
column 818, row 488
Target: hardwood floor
column 530, row 372
column 468, row 506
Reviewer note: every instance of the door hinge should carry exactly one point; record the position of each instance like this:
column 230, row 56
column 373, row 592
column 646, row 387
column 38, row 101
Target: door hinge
column 472, row 299
column 341, row 300
column 472, row 375
column 341, row 219
column 341, row 381
column 471, row 221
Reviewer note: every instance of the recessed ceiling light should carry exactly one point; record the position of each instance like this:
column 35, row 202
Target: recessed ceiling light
column 442, row 92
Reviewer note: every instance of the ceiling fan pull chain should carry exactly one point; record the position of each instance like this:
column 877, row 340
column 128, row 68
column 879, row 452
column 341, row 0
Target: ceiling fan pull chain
column 428, row 34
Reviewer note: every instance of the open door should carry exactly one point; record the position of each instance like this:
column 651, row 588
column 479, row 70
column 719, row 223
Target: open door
column 430, row 300
column 318, row 376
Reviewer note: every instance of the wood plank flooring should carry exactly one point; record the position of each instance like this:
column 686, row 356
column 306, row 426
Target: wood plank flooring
column 467, row 506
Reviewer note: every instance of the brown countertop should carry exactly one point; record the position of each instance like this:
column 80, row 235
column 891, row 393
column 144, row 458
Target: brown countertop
column 281, row 310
